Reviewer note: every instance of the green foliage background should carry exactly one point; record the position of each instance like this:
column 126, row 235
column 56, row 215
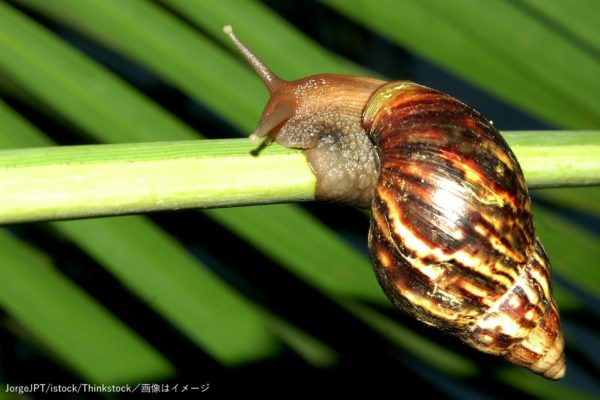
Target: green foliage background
column 541, row 56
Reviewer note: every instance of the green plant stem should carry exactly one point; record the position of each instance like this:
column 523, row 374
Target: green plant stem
column 84, row 181
column 557, row 158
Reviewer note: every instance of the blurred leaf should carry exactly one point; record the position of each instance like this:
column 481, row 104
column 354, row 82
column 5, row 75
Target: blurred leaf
column 571, row 258
column 307, row 347
column 586, row 199
column 14, row 129
column 88, row 339
column 322, row 260
column 583, row 339
column 147, row 34
column 254, row 23
column 154, row 266
column 87, row 94
column 512, row 60
column 433, row 354
column 539, row 387
column 579, row 18
column 10, row 396
column 565, row 300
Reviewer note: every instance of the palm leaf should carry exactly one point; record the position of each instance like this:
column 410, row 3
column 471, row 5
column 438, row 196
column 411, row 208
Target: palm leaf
column 177, row 43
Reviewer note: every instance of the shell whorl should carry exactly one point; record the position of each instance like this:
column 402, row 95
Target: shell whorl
column 524, row 325
column 452, row 238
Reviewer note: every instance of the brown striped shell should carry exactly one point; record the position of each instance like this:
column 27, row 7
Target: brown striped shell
column 451, row 238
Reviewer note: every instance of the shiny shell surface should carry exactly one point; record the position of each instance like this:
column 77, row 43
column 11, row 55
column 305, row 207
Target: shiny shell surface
column 452, row 239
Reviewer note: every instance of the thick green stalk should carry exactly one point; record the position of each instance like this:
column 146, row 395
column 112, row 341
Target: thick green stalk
column 557, row 158
column 83, row 181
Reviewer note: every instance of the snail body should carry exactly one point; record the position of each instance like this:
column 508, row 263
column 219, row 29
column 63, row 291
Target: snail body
column 451, row 237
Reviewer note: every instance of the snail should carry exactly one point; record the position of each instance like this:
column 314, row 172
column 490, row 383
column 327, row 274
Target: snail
column 451, row 236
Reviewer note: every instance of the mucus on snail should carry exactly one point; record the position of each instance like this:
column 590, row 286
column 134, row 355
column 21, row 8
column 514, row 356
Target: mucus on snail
column 451, row 236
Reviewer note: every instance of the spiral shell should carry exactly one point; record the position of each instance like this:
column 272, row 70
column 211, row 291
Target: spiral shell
column 451, row 238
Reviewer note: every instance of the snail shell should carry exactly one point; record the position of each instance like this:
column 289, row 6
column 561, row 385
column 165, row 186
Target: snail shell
column 451, row 237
